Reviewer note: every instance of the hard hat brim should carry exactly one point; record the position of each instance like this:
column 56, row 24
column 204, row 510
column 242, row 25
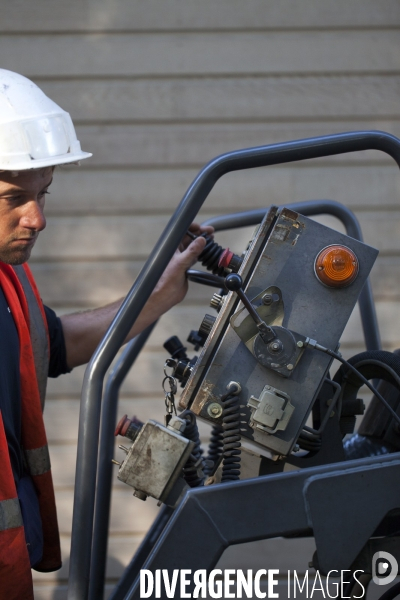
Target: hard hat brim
column 41, row 163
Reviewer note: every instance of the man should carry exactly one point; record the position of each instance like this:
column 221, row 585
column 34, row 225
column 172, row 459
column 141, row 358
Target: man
column 36, row 135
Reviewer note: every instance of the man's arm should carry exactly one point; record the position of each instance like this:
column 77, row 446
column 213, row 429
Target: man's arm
column 84, row 331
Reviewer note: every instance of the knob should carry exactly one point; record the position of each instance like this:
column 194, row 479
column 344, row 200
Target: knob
column 206, row 325
column 229, row 260
column 216, row 302
column 233, row 282
column 128, row 428
column 174, row 346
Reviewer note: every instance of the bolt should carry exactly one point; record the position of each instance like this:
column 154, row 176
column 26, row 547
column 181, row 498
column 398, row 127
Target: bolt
column 296, row 448
column 267, row 299
column 289, row 367
column 214, row 410
column 123, row 448
column 275, row 346
column 300, row 344
column 177, row 424
column 115, row 462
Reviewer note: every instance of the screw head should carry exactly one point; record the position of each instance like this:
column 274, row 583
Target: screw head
column 300, row 344
column 214, row 410
column 275, row 346
column 267, row 299
column 289, row 367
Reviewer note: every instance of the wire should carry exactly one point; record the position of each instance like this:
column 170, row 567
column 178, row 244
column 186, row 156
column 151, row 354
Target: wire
column 379, row 363
column 339, row 357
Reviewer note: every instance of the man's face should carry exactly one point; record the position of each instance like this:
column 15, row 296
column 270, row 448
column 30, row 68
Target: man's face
column 21, row 212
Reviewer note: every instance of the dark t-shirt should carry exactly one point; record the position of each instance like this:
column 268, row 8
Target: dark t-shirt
column 10, row 406
column 10, row 389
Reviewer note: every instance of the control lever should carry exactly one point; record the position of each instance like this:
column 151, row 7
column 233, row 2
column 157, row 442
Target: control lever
column 234, row 283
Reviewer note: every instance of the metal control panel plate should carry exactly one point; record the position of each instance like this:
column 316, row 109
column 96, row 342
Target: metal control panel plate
column 282, row 254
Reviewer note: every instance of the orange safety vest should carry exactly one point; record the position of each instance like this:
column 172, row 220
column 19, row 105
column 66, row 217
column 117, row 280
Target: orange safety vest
column 15, row 572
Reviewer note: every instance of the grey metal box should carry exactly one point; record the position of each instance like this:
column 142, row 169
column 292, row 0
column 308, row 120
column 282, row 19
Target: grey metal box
column 282, row 254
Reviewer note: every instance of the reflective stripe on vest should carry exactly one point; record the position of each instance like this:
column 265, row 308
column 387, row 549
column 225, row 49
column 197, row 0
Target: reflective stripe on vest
column 10, row 514
column 38, row 460
column 38, row 334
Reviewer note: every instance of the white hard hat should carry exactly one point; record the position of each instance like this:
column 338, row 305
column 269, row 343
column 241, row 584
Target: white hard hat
column 34, row 131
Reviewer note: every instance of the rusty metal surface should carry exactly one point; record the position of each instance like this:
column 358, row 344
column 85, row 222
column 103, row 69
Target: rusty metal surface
column 155, row 460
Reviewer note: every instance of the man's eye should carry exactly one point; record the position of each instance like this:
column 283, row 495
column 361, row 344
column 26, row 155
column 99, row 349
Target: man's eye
column 14, row 199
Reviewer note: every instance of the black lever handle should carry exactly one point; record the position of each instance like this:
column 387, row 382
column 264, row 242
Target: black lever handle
column 234, row 283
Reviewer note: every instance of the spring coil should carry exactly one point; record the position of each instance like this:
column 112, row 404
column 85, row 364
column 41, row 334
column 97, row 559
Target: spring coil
column 210, row 256
column 231, row 438
column 214, row 449
column 191, row 432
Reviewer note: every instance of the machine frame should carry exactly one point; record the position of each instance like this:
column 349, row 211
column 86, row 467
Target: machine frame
column 308, row 485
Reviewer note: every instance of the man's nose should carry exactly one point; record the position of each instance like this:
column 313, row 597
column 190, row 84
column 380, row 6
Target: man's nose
column 33, row 217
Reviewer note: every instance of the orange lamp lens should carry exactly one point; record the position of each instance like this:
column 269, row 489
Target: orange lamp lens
column 336, row 266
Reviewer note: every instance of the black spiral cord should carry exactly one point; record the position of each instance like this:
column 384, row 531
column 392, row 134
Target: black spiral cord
column 190, row 470
column 215, row 447
column 231, row 435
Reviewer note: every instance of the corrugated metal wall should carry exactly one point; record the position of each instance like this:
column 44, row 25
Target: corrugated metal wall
column 156, row 89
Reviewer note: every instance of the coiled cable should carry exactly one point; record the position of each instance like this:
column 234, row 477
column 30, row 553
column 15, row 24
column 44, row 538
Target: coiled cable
column 231, row 444
column 194, row 462
column 215, row 448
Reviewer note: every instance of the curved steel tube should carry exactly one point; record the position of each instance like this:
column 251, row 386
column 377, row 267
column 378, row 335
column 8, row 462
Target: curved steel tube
column 127, row 359
column 89, row 418
column 105, row 466
column 353, row 229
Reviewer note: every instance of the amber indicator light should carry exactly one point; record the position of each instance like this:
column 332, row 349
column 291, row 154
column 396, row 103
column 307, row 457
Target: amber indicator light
column 336, row 266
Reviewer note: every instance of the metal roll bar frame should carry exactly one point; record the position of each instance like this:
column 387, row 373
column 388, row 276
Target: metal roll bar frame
column 125, row 363
column 90, row 410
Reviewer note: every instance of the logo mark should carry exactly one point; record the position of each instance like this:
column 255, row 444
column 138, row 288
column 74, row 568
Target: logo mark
column 384, row 568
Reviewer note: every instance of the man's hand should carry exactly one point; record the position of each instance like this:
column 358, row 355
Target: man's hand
column 84, row 331
column 173, row 284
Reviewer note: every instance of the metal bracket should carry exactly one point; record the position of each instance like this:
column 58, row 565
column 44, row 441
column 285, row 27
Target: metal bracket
column 281, row 354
